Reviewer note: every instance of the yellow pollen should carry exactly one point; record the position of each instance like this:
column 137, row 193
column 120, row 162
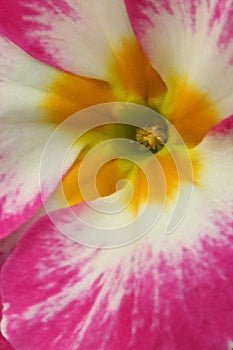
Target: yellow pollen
column 153, row 137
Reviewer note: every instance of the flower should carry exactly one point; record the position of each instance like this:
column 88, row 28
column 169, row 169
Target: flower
column 163, row 291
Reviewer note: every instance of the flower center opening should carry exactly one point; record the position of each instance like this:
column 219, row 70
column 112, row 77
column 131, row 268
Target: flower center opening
column 153, row 137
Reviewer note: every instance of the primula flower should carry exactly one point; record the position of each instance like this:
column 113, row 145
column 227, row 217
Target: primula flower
column 162, row 291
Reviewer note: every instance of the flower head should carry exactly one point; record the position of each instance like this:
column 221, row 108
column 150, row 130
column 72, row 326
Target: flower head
column 117, row 119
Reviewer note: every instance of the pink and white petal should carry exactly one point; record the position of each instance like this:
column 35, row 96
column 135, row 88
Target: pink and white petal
column 209, row 201
column 4, row 344
column 215, row 152
column 189, row 40
column 24, row 81
column 7, row 245
column 76, row 36
column 24, row 133
column 175, row 289
column 21, row 182
column 21, row 151
column 60, row 295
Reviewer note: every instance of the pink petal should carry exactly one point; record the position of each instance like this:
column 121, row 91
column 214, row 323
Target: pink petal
column 4, row 345
column 21, row 185
column 24, row 133
column 161, row 292
column 20, row 166
column 77, row 36
column 71, row 297
column 189, row 40
column 6, row 247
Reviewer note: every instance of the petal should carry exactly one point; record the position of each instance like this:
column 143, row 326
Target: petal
column 20, row 172
column 215, row 153
column 83, row 46
column 174, row 289
column 74, row 297
column 6, row 247
column 24, row 133
column 24, row 81
column 20, row 166
column 4, row 344
column 191, row 41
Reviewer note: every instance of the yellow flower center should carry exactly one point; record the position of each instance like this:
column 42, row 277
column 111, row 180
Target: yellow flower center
column 132, row 79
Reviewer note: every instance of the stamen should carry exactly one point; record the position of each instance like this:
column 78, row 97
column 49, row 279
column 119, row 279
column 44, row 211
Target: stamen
column 152, row 137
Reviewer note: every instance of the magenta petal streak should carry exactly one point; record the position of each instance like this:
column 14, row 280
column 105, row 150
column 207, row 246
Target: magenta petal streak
column 25, row 16
column 12, row 220
column 219, row 15
column 64, row 296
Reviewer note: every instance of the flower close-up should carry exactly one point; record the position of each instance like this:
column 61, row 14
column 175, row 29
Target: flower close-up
column 116, row 190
